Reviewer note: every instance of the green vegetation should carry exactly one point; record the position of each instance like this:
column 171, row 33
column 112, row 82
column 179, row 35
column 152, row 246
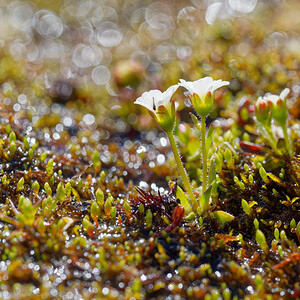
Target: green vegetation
column 94, row 204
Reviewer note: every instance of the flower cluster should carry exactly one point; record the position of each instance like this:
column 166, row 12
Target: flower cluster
column 273, row 106
column 162, row 108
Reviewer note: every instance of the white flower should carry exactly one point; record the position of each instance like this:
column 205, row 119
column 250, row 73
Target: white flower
column 279, row 109
column 155, row 98
column 160, row 106
column 274, row 98
column 202, row 86
column 201, row 93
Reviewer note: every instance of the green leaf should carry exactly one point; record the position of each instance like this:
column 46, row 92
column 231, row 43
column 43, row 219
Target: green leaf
column 49, row 167
column 61, row 193
column 228, row 157
column 204, row 200
column 212, row 171
column 209, row 139
column 184, row 199
column 20, row 184
column 274, row 177
column 263, row 174
column 95, row 210
column 261, row 240
column 246, row 207
column 298, row 230
column 196, row 121
column 113, row 212
column 191, row 217
column 223, row 217
column 148, row 218
column 9, row 220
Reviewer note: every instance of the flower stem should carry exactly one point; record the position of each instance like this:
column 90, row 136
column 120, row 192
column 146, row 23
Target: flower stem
column 182, row 172
column 287, row 139
column 272, row 140
column 204, row 156
column 266, row 132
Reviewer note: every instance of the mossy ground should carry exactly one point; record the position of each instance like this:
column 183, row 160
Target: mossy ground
column 86, row 146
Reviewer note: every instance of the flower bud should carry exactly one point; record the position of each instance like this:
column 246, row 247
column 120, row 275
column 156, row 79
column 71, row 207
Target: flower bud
column 202, row 107
column 263, row 111
column 279, row 108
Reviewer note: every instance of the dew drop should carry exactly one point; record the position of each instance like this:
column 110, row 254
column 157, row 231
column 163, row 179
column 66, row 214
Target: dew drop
column 101, row 75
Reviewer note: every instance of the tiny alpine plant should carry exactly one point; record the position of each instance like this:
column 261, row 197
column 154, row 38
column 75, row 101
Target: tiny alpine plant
column 162, row 109
column 273, row 107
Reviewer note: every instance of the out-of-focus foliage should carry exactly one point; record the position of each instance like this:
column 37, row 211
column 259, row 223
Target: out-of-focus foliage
column 73, row 146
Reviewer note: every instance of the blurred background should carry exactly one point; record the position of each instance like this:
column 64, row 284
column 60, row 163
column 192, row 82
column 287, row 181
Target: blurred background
column 75, row 67
column 117, row 43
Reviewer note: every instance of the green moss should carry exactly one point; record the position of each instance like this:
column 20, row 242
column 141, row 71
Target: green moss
column 70, row 216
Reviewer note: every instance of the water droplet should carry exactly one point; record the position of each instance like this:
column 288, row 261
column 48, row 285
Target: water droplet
column 53, row 49
column 184, row 52
column 17, row 50
column 163, row 141
column 17, row 107
column 213, row 12
column 104, row 13
column 161, row 23
column 137, row 17
column 161, row 159
column 141, row 149
column 67, row 121
column 21, row 15
column 187, row 15
column 242, row 6
column 56, row 136
column 88, row 119
column 48, row 24
column 83, row 56
column 22, row 99
column 101, row 75
column 84, row 8
column 109, row 34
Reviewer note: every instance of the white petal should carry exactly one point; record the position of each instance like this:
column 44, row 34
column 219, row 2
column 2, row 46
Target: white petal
column 167, row 95
column 284, row 93
column 217, row 84
column 143, row 103
column 272, row 98
column 165, row 99
column 188, row 85
column 149, row 99
column 201, row 86
column 259, row 100
column 171, row 90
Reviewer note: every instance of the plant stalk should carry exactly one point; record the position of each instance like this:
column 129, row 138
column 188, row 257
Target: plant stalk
column 272, row 140
column 266, row 132
column 287, row 139
column 182, row 172
column 204, row 156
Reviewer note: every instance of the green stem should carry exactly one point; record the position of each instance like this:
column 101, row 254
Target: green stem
column 272, row 140
column 287, row 139
column 204, row 156
column 182, row 172
column 266, row 131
